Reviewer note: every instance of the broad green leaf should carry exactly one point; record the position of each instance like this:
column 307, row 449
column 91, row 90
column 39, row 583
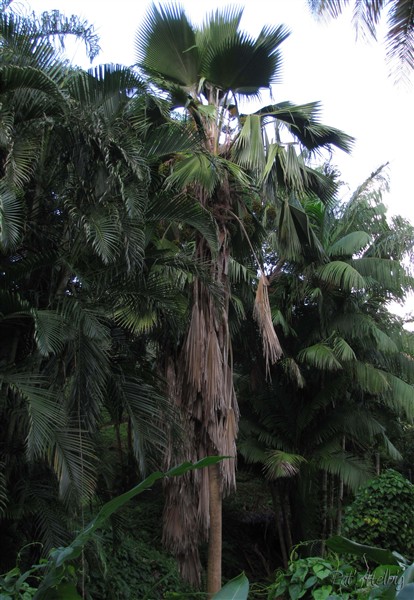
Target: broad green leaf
column 236, row 589
column 342, row 545
column 407, row 593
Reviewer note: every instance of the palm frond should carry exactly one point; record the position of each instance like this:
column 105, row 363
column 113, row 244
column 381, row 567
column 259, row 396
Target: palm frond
column 350, row 244
column 401, row 396
column 45, row 413
column 248, row 148
column 242, row 64
column 302, row 122
column 166, row 45
column 51, row 331
column 219, row 26
column 292, row 370
column 4, row 497
column 148, row 411
column 282, row 464
column 352, row 469
column 196, row 169
column 341, row 275
column 332, row 8
column 176, row 208
column 320, row 356
column 103, row 232
column 251, row 450
column 74, row 463
column 343, row 350
column 370, row 379
column 11, row 217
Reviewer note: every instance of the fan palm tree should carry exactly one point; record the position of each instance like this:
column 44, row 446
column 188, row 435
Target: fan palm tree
column 367, row 15
column 205, row 72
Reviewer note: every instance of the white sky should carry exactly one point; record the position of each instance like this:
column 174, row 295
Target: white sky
column 321, row 62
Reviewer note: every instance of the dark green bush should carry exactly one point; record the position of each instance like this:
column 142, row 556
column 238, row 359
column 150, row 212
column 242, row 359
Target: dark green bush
column 382, row 514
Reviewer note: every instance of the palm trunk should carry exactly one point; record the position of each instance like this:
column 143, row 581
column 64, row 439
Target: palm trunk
column 377, row 463
column 279, row 522
column 215, row 535
column 331, row 481
column 324, row 510
column 340, row 497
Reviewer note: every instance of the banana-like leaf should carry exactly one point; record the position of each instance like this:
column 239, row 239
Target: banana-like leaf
column 236, row 589
column 343, row 545
column 407, row 593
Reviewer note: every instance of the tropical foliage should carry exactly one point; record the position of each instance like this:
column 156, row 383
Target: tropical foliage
column 168, row 253
column 207, row 73
column 345, row 380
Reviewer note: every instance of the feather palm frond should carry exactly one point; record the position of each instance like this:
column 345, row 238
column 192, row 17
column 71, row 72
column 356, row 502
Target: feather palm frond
column 282, row 464
column 11, row 217
column 352, row 469
column 350, row 244
column 341, row 275
column 320, row 356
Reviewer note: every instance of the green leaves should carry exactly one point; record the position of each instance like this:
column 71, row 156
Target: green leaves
column 342, row 275
column 236, row 589
column 11, row 217
column 343, row 545
column 166, row 45
column 60, row 556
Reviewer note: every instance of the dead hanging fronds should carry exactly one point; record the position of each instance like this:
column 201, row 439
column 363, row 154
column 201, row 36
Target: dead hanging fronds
column 272, row 349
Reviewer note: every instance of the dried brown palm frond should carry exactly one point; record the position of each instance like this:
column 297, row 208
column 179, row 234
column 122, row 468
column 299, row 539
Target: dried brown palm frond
column 272, row 349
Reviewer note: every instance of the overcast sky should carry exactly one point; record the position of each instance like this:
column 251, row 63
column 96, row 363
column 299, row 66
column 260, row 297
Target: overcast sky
column 321, row 62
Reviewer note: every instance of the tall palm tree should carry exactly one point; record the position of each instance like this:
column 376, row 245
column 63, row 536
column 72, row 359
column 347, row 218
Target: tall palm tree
column 367, row 15
column 205, row 73
column 347, row 372
column 84, row 278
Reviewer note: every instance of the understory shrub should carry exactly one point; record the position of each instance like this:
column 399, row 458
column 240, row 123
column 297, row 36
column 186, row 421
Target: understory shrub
column 382, row 514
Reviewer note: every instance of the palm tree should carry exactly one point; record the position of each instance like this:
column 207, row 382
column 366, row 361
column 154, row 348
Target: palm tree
column 367, row 15
column 205, row 72
column 84, row 277
column 346, row 376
